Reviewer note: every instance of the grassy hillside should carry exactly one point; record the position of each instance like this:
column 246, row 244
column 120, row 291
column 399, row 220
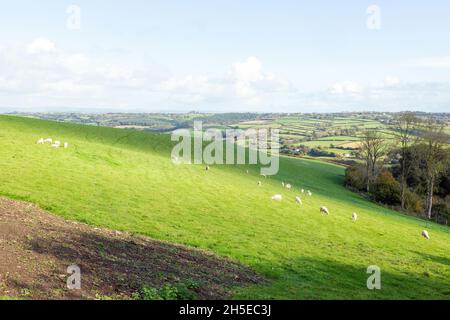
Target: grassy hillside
column 125, row 180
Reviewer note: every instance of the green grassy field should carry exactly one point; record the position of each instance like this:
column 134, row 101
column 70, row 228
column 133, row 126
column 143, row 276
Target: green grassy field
column 339, row 139
column 125, row 180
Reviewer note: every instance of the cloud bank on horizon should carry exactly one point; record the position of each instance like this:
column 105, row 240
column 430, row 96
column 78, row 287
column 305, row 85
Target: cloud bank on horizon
column 82, row 66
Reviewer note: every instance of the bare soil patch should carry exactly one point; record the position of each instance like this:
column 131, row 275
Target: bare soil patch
column 37, row 247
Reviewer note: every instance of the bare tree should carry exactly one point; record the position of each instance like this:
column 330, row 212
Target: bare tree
column 435, row 139
column 373, row 147
column 405, row 130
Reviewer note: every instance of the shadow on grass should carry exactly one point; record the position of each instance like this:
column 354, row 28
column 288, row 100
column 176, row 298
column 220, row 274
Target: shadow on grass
column 307, row 278
column 442, row 260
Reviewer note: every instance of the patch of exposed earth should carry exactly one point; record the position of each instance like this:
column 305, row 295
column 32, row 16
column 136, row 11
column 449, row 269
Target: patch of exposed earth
column 36, row 248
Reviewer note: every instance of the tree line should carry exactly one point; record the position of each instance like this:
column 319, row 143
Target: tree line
column 409, row 169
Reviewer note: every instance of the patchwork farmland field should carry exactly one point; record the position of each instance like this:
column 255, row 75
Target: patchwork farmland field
column 125, row 180
column 335, row 134
column 339, row 135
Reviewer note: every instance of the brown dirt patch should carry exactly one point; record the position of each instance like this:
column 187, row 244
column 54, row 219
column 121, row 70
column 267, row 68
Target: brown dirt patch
column 36, row 248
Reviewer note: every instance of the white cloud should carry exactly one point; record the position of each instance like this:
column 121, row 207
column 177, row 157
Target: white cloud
column 391, row 81
column 346, row 87
column 77, row 63
column 41, row 74
column 70, row 87
column 442, row 62
column 43, row 70
column 245, row 84
column 41, row 45
column 248, row 71
column 251, row 81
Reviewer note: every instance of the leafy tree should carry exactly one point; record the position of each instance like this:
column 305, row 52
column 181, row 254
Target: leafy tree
column 435, row 140
column 405, row 128
column 373, row 147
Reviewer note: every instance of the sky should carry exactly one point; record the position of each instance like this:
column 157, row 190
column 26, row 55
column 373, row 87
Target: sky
column 224, row 56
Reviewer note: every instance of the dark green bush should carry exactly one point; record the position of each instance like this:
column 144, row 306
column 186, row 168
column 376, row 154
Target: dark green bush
column 386, row 189
column 441, row 211
column 413, row 202
column 147, row 293
column 355, row 177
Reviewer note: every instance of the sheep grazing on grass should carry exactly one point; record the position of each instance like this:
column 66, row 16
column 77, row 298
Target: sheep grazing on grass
column 298, row 200
column 309, row 193
column 425, row 234
column 207, row 168
column 282, row 183
column 354, row 216
column 259, row 183
column 40, row 141
column 56, row 144
column 303, row 190
column 324, row 210
column 277, row 197
column 66, row 145
column 49, row 140
column 288, row 186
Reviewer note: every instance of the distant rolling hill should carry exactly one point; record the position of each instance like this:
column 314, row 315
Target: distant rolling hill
column 125, row 180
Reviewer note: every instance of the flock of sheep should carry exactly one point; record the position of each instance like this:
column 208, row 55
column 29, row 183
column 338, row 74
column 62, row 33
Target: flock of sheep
column 54, row 144
column 324, row 210
column 278, row 197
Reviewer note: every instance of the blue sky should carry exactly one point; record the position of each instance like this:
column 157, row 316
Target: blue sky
column 291, row 56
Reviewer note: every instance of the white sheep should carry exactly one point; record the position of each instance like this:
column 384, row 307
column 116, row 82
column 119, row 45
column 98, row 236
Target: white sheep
column 288, row 186
column 298, row 200
column 55, row 145
column 277, row 197
column 309, row 193
column 354, row 216
column 49, row 140
column 66, row 145
column 259, row 183
column 40, row 141
column 303, row 190
column 282, row 183
column 324, row 210
column 425, row 234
